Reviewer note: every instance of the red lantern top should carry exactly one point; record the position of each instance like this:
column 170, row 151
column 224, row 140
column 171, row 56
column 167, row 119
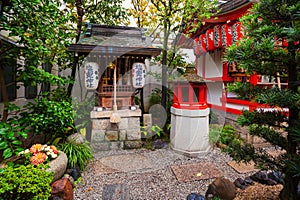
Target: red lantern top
column 210, row 39
column 196, row 47
column 226, row 35
column 217, row 36
column 237, row 33
column 202, row 43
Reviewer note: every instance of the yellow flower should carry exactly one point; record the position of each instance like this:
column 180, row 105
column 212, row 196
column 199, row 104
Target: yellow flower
column 36, row 148
column 38, row 158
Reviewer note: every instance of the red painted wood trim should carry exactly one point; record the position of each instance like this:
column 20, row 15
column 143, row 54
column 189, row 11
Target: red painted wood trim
column 233, row 15
column 223, row 108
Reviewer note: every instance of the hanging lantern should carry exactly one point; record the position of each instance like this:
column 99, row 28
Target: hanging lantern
column 196, row 47
column 202, row 43
column 210, row 39
column 91, row 75
column 138, row 75
column 237, row 33
column 217, row 36
column 226, row 35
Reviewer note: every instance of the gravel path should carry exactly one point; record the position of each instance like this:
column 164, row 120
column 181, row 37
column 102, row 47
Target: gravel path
column 145, row 174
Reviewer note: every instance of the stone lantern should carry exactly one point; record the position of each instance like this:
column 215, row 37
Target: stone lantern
column 190, row 114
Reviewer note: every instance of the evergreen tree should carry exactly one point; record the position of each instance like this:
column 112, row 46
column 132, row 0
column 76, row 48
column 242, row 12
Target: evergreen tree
column 271, row 48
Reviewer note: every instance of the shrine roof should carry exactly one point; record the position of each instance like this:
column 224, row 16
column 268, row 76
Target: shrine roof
column 230, row 10
column 114, row 40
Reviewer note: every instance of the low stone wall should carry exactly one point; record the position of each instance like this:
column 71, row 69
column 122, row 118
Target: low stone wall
column 244, row 132
column 230, row 119
column 111, row 136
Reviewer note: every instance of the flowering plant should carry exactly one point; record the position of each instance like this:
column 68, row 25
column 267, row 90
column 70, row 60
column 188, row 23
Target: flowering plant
column 39, row 153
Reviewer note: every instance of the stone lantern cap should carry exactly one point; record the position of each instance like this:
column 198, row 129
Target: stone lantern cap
column 190, row 75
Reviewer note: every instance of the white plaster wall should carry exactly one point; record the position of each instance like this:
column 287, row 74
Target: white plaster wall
column 214, row 92
column 213, row 63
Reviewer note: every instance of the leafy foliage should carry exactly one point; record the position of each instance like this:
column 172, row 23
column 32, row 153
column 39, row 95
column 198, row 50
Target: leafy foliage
column 9, row 141
column 105, row 12
column 49, row 116
column 41, row 43
column 261, row 51
column 214, row 133
column 78, row 154
column 25, row 182
column 167, row 17
column 225, row 137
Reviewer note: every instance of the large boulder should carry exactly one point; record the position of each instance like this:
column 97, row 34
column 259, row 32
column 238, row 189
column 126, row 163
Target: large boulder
column 221, row 188
column 62, row 189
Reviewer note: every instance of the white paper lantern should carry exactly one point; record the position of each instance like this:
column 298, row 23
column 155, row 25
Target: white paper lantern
column 138, row 75
column 91, row 75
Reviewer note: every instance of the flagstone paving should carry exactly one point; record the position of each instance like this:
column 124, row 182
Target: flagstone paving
column 159, row 174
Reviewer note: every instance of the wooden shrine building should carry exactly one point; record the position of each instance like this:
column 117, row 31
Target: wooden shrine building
column 114, row 46
column 114, row 68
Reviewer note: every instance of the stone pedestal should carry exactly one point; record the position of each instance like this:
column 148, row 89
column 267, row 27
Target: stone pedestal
column 190, row 131
column 111, row 136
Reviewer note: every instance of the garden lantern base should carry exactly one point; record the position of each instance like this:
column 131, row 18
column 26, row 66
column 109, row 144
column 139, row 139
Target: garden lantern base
column 190, row 131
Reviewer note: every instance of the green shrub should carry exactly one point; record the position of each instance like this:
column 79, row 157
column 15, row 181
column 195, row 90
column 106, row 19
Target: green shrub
column 225, row 137
column 9, row 140
column 214, row 133
column 52, row 118
column 25, row 182
column 230, row 139
column 78, row 154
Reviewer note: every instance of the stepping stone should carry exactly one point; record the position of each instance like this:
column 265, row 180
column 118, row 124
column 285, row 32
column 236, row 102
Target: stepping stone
column 276, row 153
column 242, row 167
column 195, row 171
column 115, row 192
column 126, row 163
column 99, row 168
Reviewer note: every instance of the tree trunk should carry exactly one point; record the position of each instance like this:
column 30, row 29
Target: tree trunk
column 80, row 13
column 4, row 94
column 289, row 191
column 164, row 66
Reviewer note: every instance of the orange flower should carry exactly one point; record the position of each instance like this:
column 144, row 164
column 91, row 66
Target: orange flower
column 54, row 149
column 38, row 158
column 36, row 148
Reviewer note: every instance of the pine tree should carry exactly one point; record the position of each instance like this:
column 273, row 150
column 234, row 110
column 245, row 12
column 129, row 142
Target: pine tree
column 271, row 48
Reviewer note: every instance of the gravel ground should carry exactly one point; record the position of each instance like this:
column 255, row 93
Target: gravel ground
column 153, row 180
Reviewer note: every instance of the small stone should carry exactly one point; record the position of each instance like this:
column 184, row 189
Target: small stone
column 240, row 183
column 63, row 189
column 159, row 144
column 115, row 191
column 276, row 176
column 248, row 181
column 55, row 198
column 192, row 196
column 222, row 188
column 195, row 196
column 76, row 138
column 263, row 178
column 75, row 173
